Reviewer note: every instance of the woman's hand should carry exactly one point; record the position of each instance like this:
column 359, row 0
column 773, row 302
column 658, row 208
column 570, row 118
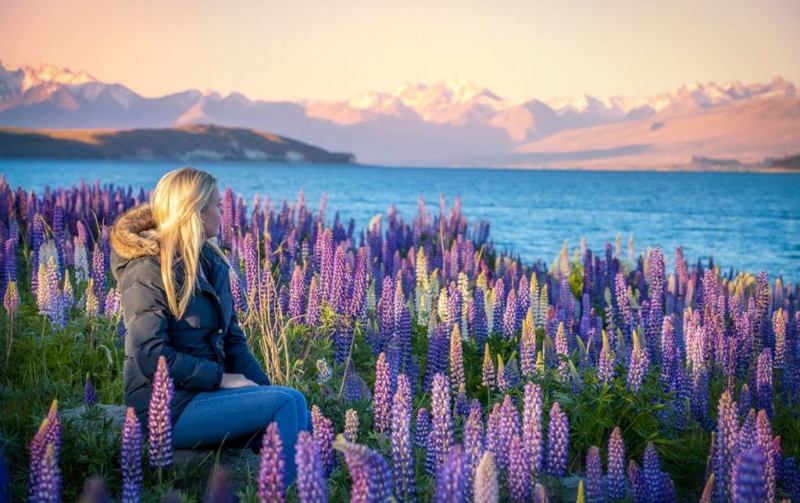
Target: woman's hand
column 235, row 381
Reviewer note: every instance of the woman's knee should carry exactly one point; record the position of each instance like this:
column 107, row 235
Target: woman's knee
column 296, row 395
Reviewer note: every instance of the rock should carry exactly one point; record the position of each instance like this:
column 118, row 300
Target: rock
column 240, row 462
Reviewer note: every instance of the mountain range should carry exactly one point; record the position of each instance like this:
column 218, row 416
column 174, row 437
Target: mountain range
column 452, row 122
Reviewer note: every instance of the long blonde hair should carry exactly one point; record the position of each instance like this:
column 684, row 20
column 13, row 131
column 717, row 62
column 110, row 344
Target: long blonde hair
column 176, row 203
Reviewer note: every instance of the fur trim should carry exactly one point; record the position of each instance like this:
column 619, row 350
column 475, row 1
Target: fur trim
column 133, row 234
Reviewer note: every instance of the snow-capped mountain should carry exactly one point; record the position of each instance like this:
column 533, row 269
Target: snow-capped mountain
column 454, row 121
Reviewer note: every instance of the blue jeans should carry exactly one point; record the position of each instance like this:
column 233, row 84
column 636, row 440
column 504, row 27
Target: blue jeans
column 237, row 417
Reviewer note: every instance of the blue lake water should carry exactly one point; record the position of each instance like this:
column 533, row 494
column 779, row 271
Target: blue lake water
column 745, row 221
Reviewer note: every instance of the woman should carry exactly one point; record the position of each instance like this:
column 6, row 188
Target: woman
column 221, row 392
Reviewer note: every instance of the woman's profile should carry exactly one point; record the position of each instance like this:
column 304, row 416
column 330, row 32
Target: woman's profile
column 222, row 395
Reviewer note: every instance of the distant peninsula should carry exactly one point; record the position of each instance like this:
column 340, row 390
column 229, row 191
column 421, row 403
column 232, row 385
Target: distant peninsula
column 196, row 142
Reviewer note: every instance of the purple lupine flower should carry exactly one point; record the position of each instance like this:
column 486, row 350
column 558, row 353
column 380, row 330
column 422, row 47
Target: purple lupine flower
column 557, row 441
column 519, row 476
column 371, row 476
column 358, row 297
column 745, row 400
column 380, row 395
column 323, row 435
column 764, row 381
column 527, row 346
column 402, row 456
column 473, row 446
column 487, row 372
column 48, row 478
column 486, row 487
column 98, row 272
column 461, row 406
column 456, row 360
column 351, row 425
column 616, row 465
column 502, row 384
column 651, row 474
column 562, row 350
column 623, row 308
column 441, row 436
column 37, row 449
column 422, row 428
column 605, row 364
column 130, row 458
column 637, row 482
column 749, row 480
column 451, row 481
column 68, row 293
column 54, row 430
column 159, row 421
column 270, row 472
column 89, row 393
column 595, row 491
column 508, row 427
column 313, row 307
column 725, row 444
column 481, row 328
column 311, row 485
column 510, row 315
column 532, row 426
column 296, row 291
column 765, row 440
column 638, row 365
column 511, row 373
column 494, row 437
column 540, row 493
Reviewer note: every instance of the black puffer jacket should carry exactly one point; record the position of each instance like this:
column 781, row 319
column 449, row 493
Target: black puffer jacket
column 205, row 342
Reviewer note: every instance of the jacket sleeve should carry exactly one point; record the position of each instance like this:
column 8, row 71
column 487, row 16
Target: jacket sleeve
column 239, row 358
column 146, row 315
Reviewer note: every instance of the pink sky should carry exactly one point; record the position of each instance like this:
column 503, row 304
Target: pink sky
column 334, row 50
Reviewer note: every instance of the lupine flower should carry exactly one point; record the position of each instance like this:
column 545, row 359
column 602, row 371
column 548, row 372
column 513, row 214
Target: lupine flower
column 749, row 481
column 518, row 471
column 372, row 480
column 456, row 360
column 311, row 485
column 638, row 365
column 616, row 465
column 580, row 496
column 323, row 435
column 380, row 396
column 89, row 393
column 159, row 421
column 473, row 446
column 765, row 439
column 511, row 373
column 764, row 381
column 53, row 433
column 271, row 468
column 48, row 478
column 605, row 365
column 725, row 443
column 487, row 372
column 98, row 272
column 422, row 428
column 651, row 474
column 637, row 482
column 451, row 481
column 92, row 305
column 351, row 425
column 441, row 436
column 557, row 441
column 539, row 492
column 131, row 458
column 95, row 491
column 38, row 447
column 532, row 427
column 595, row 491
column 502, row 384
column 402, row 456
column 486, row 487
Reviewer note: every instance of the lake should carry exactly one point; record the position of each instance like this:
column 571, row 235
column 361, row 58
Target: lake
column 746, row 221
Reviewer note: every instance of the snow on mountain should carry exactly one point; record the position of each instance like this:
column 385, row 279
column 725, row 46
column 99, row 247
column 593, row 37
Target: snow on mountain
column 412, row 121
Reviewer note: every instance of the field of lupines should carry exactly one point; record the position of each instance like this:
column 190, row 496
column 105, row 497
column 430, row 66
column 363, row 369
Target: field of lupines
column 438, row 367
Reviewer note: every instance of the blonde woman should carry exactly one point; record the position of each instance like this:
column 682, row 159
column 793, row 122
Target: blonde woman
column 222, row 395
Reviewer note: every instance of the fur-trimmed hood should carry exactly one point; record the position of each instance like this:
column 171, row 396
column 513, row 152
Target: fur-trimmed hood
column 132, row 236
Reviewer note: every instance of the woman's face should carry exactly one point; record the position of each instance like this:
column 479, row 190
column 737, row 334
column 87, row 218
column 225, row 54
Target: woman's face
column 211, row 215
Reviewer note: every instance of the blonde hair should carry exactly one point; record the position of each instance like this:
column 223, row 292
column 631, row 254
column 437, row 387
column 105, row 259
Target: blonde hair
column 176, row 203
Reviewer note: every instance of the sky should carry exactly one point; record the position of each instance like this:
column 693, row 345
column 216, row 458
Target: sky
column 333, row 50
